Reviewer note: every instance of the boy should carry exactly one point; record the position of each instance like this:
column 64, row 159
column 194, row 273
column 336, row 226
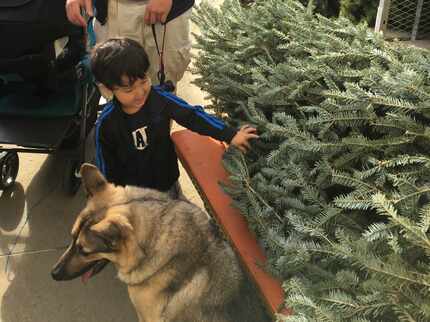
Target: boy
column 133, row 145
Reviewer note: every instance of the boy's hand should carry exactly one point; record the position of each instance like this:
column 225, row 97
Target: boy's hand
column 157, row 11
column 73, row 11
column 242, row 137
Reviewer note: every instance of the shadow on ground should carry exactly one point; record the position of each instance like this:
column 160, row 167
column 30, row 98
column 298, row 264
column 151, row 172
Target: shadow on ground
column 12, row 202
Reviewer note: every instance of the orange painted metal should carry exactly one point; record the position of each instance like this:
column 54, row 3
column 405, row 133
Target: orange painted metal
column 201, row 157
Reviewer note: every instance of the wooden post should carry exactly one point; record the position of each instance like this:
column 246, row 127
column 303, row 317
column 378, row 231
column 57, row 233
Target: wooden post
column 382, row 16
column 417, row 20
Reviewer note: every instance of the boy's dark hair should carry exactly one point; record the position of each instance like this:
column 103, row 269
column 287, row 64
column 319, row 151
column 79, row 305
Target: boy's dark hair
column 118, row 57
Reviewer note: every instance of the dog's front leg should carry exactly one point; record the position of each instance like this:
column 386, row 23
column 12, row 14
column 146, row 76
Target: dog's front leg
column 142, row 319
column 149, row 299
column 139, row 316
column 186, row 297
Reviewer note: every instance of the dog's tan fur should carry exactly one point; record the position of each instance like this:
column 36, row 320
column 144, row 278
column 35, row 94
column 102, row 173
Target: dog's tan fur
column 165, row 250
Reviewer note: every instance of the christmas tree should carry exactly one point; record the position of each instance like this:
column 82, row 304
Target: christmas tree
column 359, row 10
column 337, row 188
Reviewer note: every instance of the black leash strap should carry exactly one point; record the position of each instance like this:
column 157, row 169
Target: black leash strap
column 160, row 75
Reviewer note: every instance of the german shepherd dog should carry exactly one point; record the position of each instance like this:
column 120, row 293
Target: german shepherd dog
column 176, row 266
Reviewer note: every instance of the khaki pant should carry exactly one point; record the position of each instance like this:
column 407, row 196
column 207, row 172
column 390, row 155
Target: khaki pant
column 125, row 19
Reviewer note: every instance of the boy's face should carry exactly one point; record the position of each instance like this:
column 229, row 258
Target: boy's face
column 132, row 96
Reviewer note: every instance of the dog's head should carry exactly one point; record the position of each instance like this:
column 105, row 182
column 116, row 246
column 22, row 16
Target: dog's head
column 101, row 233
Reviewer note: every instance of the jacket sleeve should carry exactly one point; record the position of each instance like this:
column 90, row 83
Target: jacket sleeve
column 105, row 154
column 196, row 119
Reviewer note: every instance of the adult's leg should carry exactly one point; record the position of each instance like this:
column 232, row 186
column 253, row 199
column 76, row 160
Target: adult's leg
column 125, row 19
column 176, row 51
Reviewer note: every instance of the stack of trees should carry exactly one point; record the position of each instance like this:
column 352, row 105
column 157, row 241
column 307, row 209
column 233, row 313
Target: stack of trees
column 355, row 10
column 338, row 186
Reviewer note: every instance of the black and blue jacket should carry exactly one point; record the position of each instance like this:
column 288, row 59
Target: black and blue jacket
column 137, row 149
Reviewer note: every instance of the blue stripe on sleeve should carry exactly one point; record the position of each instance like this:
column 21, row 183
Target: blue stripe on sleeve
column 100, row 162
column 212, row 120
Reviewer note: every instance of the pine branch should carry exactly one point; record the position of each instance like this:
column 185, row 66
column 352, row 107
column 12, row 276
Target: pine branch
column 385, row 207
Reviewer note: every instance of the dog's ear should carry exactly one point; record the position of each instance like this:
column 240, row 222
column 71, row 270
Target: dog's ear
column 110, row 233
column 92, row 179
column 106, row 239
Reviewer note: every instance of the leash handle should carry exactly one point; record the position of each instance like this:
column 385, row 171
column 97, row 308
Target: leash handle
column 91, row 33
column 160, row 51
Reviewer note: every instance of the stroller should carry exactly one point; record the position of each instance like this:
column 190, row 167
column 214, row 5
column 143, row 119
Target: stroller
column 48, row 100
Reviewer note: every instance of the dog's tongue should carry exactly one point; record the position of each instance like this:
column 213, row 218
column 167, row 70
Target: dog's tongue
column 86, row 276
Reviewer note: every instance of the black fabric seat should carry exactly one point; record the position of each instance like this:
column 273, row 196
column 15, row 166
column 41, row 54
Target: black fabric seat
column 29, row 29
column 26, row 132
column 27, row 26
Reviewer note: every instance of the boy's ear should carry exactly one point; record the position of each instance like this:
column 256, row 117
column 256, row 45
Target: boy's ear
column 105, row 92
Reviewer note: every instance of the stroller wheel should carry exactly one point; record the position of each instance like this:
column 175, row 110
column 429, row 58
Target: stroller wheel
column 9, row 165
column 72, row 181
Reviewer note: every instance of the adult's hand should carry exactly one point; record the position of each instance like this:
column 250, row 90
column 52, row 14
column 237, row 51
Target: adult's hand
column 156, row 11
column 73, row 11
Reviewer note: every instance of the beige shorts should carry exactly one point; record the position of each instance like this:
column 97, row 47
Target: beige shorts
column 125, row 19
